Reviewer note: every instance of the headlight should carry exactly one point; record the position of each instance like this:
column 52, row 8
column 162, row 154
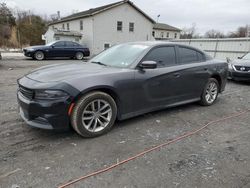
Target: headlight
column 50, row 94
column 30, row 49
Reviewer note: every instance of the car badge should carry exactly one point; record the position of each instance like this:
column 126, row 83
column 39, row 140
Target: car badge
column 242, row 68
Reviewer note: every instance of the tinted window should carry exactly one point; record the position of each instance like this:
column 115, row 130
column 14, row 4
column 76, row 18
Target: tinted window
column 71, row 44
column 188, row 55
column 164, row 56
column 59, row 44
column 200, row 56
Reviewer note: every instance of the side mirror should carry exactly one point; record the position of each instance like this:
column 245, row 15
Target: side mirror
column 239, row 57
column 52, row 46
column 148, row 65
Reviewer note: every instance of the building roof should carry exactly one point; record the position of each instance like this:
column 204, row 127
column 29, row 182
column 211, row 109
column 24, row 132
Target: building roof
column 93, row 11
column 167, row 27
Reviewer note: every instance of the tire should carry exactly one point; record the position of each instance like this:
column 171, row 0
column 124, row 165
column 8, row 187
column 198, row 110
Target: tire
column 79, row 55
column 90, row 117
column 210, row 92
column 39, row 55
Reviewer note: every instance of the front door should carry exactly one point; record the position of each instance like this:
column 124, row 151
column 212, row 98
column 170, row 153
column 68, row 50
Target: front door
column 157, row 87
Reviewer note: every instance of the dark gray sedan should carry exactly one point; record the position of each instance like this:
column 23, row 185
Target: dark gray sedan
column 122, row 82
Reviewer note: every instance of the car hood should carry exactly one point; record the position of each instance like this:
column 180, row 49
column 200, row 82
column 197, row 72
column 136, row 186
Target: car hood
column 35, row 47
column 241, row 62
column 64, row 72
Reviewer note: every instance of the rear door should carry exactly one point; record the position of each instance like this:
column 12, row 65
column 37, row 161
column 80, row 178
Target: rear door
column 70, row 48
column 193, row 72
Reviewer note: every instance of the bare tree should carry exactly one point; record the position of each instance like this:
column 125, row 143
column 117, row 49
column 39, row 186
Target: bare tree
column 188, row 32
column 241, row 32
column 214, row 34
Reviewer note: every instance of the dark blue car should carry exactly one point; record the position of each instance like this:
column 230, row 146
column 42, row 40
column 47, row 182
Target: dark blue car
column 57, row 49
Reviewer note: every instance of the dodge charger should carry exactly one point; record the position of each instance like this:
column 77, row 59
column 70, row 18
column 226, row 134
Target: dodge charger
column 121, row 82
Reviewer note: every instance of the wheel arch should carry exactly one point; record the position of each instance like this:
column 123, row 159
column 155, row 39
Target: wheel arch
column 105, row 89
column 218, row 78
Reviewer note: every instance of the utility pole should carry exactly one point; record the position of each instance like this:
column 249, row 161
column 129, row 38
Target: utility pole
column 158, row 18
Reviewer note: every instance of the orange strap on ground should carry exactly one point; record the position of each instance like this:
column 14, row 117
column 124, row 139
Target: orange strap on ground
column 188, row 134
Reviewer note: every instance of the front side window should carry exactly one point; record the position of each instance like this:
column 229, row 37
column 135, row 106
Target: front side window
column 59, row 44
column 119, row 26
column 131, row 27
column 163, row 56
column 120, row 56
column 188, row 55
column 81, row 25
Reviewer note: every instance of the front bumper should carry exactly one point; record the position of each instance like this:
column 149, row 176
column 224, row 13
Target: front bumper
column 28, row 53
column 44, row 114
column 239, row 76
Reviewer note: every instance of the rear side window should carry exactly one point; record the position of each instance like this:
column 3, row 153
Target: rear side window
column 164, row 56
column 188, row 55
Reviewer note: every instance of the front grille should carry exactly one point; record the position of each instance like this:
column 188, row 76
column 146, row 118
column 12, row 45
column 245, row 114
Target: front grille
column 242, row 68
column 28, row 93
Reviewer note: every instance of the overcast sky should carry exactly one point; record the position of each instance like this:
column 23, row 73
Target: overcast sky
column 223, row 15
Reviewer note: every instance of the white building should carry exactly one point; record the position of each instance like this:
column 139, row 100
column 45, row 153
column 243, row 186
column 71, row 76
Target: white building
column 163, row 31
column 102, row 27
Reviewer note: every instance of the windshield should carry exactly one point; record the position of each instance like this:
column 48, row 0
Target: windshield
column 247, row 56
column 51, row 43
column 121, row 55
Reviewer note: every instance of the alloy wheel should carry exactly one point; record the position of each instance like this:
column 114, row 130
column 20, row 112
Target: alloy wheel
column 96, row 115
column 211, row 92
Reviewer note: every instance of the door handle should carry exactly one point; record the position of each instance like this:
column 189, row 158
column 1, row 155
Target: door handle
column 177, row 75
column 205, row 69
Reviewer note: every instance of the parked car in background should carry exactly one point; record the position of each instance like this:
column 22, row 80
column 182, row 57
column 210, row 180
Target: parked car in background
column 57, row 49
column 239, row 69
column 121, row 82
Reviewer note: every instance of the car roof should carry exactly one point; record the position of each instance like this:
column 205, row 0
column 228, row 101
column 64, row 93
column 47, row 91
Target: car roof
column 157, row 43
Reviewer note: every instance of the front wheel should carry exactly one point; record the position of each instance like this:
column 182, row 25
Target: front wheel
column 210, row 92
column 39, row 55
column 94, row 114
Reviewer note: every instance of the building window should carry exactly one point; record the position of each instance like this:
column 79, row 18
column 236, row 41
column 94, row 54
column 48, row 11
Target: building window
column 57, row 38
column 167, row 34
column 63, row 26
column 175, row 35
column 68, row 26
column 81, row 25
column 131, row 27
column 153, row 33
column 162, row 34
column 119, row 26
column 106, row 46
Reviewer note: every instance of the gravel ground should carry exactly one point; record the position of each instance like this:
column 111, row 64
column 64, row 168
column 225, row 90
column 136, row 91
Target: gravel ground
column 216, row 157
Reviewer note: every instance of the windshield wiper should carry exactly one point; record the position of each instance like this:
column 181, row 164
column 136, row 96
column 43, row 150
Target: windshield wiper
column 99, row 63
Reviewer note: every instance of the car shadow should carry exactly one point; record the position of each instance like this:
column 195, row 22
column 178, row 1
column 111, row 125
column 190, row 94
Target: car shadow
column 244, row 83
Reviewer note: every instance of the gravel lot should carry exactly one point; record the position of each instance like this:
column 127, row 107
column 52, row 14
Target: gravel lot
column 219, row 156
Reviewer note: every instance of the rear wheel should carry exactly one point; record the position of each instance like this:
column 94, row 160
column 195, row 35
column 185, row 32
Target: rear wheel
column 94, row 114
column 210, row 92
column 79, row 55
column 39, row 55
